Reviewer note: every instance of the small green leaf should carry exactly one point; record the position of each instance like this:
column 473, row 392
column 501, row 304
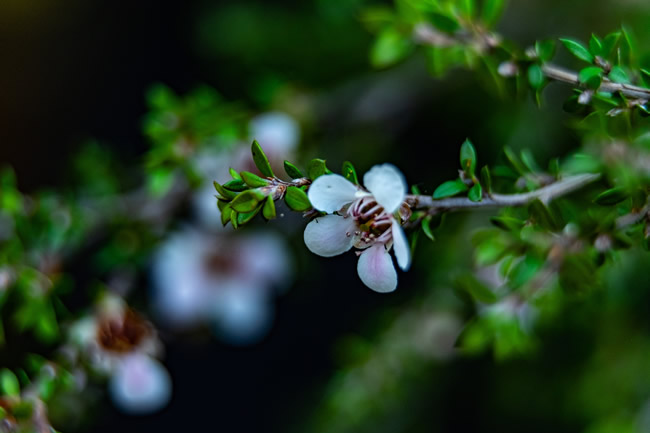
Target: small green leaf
column 225, row 215
column 611, row 197
column 260, row 159
column 245, row 217
column 545, row 49
column 253, row 180
column 577, row 49
column 492, row 11
column 350, row 173
column 475, row 192
column 609, row 43
column 390, row 47
column 535, row 76
column 297, row 199
column 234, row 174
column 618, row 75
column 591, row 76
column 645, row 77
column 479, row 291
column 268, row 211
column 467, row 8
column 161, row 180
column 233, row 219
column 236, row 185
column 543, row 216
column 292, row 170
column 595, row 46
column 426, row 228
column 486, row 179
column 529, row 161
column 225, row 193
column 514, row 160
column 9, row 383
column 523, row 271
column 444, row 23
column 247, row 201
column 317, row 168
column 450, row 188
column 468, row 158
column 508, row 224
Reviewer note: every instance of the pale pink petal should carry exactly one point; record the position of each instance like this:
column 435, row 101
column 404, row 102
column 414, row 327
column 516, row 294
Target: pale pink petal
column 141, row 385
column 331, row 192
column 330, row 235
column 387, row 185
column 376, row 269
column 401, row 246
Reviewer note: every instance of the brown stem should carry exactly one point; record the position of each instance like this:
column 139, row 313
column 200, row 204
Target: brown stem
column 545, row 194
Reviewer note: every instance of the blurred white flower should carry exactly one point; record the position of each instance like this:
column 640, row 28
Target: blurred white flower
column 200, row 277
column 140, row 385
column 122, row 345
column 365, row 220
column 277, row 132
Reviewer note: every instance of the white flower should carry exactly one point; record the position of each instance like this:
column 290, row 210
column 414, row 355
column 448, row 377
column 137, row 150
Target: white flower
column 364, row 219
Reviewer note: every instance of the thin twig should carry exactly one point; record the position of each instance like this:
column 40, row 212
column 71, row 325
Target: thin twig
column 426, row 34
column 632, row 217
column 560, row 74
column 546, row 194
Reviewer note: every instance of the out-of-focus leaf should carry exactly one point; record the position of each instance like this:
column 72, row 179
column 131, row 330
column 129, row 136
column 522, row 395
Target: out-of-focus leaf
column 611, row 197
column 535, row 76
column 444, row 23
column 618, row 75
column 390, row 47
column 492, row 11
column 475, row 193
column 545, row 49
column 479, row 291
column 9, row 383
column 577, row 49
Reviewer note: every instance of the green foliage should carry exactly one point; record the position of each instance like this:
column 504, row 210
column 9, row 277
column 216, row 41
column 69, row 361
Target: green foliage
column 577, row 49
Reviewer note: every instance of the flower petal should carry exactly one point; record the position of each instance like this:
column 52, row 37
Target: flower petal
column 376, row 269
column 387, row 185
column 401, row 246
column 141, row 385
column 331, row 192
column 330, row 235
